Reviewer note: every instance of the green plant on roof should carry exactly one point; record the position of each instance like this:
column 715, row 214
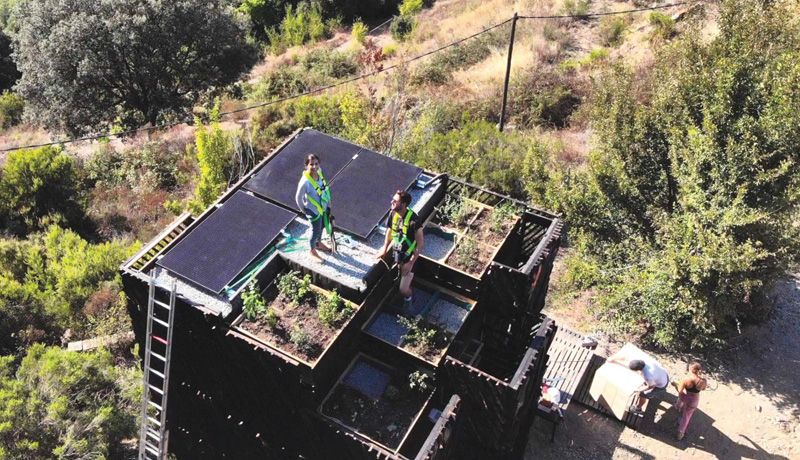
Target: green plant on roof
column 501, row 217
column 466, row 254
column 420, row 382
column 419, row 335
column 456, row 211
column 294, row 288
column 301, row 339
column 332, row 309
column 254, row 304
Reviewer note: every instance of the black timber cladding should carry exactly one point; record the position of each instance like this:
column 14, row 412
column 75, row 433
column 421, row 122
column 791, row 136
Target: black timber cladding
column 277, row 180
column 227, row 241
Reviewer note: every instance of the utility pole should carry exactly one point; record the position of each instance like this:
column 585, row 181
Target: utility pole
column 508, row 71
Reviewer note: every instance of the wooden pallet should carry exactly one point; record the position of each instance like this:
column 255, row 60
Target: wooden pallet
column 571, row 368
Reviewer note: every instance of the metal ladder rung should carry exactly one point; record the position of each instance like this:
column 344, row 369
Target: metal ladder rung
column 154, row 434
column 152, row 420
column 163, row 323
column 154, row 405
column 156, row 389
column 158, row 356
column 161, row 304
column 158, row 374
column 151, row 448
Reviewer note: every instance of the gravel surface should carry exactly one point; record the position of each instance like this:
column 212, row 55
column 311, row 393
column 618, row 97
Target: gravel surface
column 216, row 303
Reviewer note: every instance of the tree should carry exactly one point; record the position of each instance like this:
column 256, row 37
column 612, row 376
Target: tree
column 66, row 405
column 88, row 64
column 698, row 166
column 38, row 186
column 214, row 150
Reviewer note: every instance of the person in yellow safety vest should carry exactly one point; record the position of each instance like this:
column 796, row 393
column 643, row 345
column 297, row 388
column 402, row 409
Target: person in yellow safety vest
column 313, row 197
column 405, row 238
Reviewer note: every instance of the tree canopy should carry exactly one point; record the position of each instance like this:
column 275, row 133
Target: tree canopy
column 687, row 212
column 89, row 64
column 62, row 404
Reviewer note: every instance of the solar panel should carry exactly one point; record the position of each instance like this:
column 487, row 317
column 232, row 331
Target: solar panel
column 277, row 180
column 362, row 191
column 227, row 241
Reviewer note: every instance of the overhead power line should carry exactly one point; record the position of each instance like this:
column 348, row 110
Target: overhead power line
column 337, row 84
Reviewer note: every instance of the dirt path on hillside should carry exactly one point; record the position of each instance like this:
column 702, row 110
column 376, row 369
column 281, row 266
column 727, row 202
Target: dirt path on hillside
column 752, row 409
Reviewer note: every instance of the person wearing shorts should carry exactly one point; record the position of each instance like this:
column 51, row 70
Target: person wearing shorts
column 404, row 238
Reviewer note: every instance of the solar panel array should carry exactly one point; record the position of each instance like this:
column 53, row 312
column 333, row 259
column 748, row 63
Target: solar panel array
column 277, row 180
column 362, row 181
column 226, row 241
column 363, row 190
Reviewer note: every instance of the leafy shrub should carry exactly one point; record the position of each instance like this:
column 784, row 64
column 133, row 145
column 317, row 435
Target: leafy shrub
column 359, row 32
column 149, row 167
column 457, row 211
column 327, row 63
column 332, row 309
column 401, row 27
column 418, row 335
column 577, row 8
column 611, row 29
column 271, row 318
column 301, row 24
column 281, row 82
column 302, row 340
column 60, row 404
column 420, row 382
column 214, row 149
column 11, row 106
column 466, row 254
column 500, row 217
column 664, row 25
column 294, row 288
column 38, row 187
column 389, row 50
column 544, row 95
column 50, row 282
column 253, row 302
column 410, row 7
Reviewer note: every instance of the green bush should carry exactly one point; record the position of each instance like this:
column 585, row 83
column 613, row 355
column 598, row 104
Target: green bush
column 419, row 335
column 63, row 404
column 301, row 24
column 302, row 340
column 152, row 166
column 47, row 284
column 612, row 29
column 401, row 27
column 332, row 309
column 214, row 149
column 328, row 63
column 410, row 7
column 11, row 106
column 544, row 95
column 39, row 187
column 359, row 32
column 420, row 382
column 253, row 304
column 687, row 204
column 281, row 82
column 294, row 288
column 577, row 8
column 389, row 50
column 664, row 25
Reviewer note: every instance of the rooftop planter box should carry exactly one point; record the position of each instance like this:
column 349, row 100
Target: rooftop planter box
column 378, row 401
column 427, row 327
column 465, row 234
column 296, row 318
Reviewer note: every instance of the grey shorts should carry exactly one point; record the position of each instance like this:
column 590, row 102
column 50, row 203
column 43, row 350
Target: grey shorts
column 654, row 393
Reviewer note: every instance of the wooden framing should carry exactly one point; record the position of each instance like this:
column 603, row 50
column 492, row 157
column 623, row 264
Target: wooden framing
column 234, row 396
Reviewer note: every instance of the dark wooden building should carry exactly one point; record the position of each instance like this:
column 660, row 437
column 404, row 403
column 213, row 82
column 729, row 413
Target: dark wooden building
column 369, row 389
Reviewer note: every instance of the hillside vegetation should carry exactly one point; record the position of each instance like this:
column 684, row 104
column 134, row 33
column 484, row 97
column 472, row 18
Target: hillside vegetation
column 667, row 139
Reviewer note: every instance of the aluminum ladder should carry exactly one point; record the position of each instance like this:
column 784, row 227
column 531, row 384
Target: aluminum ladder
column 158, row 348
